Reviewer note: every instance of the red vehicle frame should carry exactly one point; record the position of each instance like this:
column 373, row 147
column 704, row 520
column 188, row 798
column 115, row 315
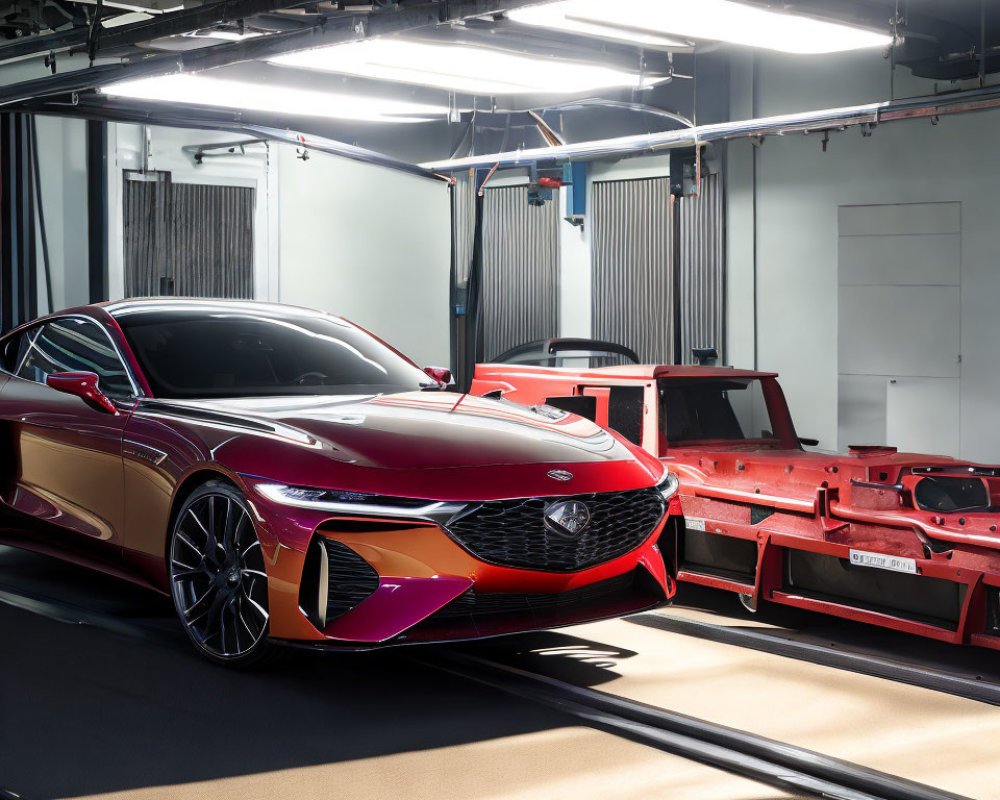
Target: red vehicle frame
column 872, row 535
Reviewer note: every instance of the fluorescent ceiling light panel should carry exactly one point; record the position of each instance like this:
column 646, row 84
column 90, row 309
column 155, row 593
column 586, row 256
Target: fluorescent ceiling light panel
column 225, row 36
column 565, row 17
column 716, row 20
column 225, row 93
column 459, row 68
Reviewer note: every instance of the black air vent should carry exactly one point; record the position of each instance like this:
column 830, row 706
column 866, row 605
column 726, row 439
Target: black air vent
column 351, row 579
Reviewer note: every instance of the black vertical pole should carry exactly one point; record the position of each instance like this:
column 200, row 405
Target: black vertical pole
column 675, row 257
column 474, row 303
column 18, row 286
column 453, row 281
column 97, row 209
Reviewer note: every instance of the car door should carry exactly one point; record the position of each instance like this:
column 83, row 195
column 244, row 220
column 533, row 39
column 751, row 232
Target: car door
column 67, row 453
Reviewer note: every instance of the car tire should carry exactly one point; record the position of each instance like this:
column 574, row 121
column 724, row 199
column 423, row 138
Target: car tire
column 218, row 579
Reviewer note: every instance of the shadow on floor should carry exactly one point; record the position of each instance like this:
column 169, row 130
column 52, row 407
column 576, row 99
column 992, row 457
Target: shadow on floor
column 87, row 711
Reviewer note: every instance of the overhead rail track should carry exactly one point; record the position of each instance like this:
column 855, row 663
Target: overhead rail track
column 866, row 116
column 203, row 118
column 870, row 115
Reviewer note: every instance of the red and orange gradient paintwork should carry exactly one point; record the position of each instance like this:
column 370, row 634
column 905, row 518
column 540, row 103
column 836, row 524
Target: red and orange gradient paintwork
column 791, row 506
column 101, row 488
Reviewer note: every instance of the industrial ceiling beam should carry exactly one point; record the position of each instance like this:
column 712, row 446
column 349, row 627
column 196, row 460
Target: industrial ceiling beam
column 332, row 30
column 176, row 22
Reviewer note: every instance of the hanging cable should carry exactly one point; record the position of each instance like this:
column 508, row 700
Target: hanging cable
column 43, row 236
column 94, row 32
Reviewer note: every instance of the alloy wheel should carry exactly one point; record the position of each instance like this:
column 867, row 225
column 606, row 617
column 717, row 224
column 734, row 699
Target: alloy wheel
column 217, row 575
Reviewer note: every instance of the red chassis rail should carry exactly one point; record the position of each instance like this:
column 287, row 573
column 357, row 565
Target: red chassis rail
column 839, row 534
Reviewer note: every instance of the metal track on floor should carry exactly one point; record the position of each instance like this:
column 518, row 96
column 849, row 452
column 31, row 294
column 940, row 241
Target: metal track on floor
column 801, row 772
column 925, row 677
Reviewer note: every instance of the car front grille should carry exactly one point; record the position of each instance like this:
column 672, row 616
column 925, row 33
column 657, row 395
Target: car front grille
column 513, row 533
column 351, row 579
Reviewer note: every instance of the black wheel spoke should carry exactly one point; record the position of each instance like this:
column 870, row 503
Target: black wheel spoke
column 190, row 573
column 220, row 589
column 202, row 606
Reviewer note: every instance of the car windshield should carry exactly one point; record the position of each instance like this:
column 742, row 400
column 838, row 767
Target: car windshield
column 187, row 354
column 714, row 410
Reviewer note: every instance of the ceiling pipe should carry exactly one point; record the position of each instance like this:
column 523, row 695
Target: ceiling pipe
column 168, row 115
column 805, row 122
column 333, row 30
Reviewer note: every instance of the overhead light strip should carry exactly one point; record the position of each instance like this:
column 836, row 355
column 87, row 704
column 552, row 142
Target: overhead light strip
column 713, row 20
column 225, row 93
column 460, row 68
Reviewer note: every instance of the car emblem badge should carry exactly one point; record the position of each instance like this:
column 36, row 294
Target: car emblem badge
column 567, row 518
column 560, row 475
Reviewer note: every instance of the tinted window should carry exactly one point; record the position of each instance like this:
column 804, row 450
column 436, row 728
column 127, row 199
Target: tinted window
column 209, row 353
column 696, row 410
column 15, row 350
column 72, row 345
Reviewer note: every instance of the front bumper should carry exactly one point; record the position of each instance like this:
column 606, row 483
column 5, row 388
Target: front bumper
column 410, row 581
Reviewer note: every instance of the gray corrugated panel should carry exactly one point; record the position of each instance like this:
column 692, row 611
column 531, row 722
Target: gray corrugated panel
column 199, row 235
column 520, row 269
column 702, row 269
column 632, row 279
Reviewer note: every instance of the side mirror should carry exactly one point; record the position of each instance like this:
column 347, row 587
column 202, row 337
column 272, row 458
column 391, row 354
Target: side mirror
column 441, row 374
column 83, row 385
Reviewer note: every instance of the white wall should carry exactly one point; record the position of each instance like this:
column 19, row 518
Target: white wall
column 370, row 244
column 62, row 168
column 799, row 189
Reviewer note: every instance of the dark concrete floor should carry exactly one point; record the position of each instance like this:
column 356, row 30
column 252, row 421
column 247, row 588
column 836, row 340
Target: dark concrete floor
column 86, row 711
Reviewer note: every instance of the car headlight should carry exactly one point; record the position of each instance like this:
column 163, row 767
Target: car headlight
column 357, row 503
column 668, row 485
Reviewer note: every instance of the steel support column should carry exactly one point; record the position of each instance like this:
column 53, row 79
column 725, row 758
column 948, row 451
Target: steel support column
column 18, row 279
column 97, row 210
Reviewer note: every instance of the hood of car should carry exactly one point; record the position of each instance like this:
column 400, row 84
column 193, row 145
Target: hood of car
column 418, row 430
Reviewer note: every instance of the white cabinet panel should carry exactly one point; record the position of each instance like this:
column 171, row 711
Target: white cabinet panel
column 900, row 330
column 922, row 415
column 895, row 219
column 933, row 260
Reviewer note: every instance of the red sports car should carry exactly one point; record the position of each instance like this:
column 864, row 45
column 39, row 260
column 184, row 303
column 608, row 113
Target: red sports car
column 896, row 539
column 285, row 475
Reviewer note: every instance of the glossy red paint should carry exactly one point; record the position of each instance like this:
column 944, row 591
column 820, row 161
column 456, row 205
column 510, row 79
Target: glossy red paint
column 778, row 523
column 441, row 374
column 98, row 481
column 83, row 385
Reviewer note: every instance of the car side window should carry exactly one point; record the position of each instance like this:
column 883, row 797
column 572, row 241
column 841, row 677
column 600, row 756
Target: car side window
column 73, row 345
column 15, row 350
